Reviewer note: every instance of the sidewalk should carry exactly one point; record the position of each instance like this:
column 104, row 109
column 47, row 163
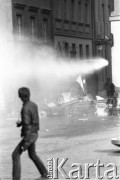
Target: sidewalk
column 80, row 149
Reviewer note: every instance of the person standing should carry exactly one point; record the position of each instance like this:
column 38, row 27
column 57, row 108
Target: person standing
column 110, row 88
column 29, row 133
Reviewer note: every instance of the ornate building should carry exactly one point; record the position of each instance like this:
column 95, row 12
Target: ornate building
column 72, row 27
column 33, row 19
column 76, row 28
column 103, row 38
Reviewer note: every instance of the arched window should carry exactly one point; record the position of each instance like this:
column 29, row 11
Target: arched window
column 59, row 49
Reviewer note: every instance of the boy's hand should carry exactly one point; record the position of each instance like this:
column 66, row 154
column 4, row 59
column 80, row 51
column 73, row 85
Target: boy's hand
column 18, row 123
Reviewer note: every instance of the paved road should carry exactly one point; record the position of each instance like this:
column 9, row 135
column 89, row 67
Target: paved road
column 80, row 139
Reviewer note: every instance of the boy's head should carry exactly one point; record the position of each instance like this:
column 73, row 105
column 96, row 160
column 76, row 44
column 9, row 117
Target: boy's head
column 24, row 94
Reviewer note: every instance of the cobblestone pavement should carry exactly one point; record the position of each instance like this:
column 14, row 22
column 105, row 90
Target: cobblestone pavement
column 81, row 140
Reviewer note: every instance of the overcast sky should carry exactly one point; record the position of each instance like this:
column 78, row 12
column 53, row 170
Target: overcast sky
column 115, row 27
column 116, row 53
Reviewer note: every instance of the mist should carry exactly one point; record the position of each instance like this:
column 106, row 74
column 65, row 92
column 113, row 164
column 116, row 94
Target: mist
column 40, row 68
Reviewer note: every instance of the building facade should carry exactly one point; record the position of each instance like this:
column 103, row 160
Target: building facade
column 72, row 27
column 65, row 23
column 32, row 19
column 103, row 38
column 73, row 31
column 78, row 29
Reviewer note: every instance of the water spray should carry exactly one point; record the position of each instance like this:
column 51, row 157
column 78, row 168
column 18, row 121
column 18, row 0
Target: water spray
column 21, row 64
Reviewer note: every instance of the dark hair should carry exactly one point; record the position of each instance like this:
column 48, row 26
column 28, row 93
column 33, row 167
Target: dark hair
column 24, row 92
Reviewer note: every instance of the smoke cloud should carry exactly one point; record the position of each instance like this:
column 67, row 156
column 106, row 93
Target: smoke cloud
column 39, row 67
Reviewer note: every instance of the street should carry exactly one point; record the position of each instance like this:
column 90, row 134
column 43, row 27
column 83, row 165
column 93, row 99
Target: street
column 64, row 56
column 85, row 139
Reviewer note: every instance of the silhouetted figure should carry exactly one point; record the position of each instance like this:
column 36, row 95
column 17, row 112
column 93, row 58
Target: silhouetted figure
column 29, row 133
column 110, row 88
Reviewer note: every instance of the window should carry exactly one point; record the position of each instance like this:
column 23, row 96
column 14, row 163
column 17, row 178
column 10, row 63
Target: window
column 103, row 18
column 58, row 9
column 81, row 51
column 59, row 49
column 80, row 11
column 109, row 10
column 103, row 12
column 66, row 47
column 45, row 29
column 19, row 25
column 73, row 9
column 86, row 13
column 73, row 50
column 32, row 27
column 74, row 47
column 65, row 9
column 87, row 51
column 87, row 10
